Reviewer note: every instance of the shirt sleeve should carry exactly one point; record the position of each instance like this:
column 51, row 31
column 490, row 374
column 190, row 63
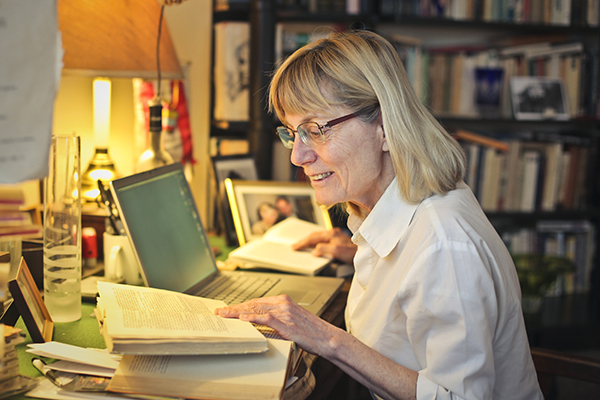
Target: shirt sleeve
column 451, row 308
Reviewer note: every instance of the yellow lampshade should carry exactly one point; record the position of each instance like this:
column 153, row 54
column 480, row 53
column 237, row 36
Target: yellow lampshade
column 115, row 38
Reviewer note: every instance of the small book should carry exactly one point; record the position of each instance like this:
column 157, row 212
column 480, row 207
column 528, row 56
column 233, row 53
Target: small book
column 274, row 250
column 240, row 377
column 141, row 320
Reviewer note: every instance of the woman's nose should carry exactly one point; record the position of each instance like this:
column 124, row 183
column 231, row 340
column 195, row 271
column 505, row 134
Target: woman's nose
column 301, row 153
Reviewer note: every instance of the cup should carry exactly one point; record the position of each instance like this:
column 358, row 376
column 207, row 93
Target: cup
column 89, row 243
column 62, row 230
column 120, row 263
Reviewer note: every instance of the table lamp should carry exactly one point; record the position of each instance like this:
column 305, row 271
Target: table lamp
column 112, row 39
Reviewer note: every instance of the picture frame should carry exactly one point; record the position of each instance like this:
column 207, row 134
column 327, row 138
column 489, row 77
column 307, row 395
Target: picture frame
column 238, row 167
column 247, row 197
column 538, row 98
column 30, row 305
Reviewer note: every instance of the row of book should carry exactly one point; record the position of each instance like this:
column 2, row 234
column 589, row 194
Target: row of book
column 289, row 37
column 526, row 176
column 351, row 7
column 446, row 78
column 573, row 239
column 549, row 12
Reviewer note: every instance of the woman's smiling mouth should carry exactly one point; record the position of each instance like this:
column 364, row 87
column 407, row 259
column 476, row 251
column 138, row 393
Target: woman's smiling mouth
column 320, row 177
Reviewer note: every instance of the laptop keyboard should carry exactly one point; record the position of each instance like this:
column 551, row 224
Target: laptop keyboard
column 237, row 289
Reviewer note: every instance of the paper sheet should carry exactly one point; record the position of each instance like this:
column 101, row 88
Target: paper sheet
column 30, row 71
column 62, row 351
column 82, row 369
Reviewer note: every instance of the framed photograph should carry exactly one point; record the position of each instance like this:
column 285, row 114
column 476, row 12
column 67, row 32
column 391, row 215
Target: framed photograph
column 235, row 167
column 537, row 98
column 30, row 305
column 238, row 167
column 257, row 205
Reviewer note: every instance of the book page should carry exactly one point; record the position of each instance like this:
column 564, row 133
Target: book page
column 249, row 376
column 290, row 230
column 140, row 312
column 278, row 256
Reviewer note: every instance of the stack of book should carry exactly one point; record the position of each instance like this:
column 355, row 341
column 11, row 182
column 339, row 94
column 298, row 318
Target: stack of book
column 10, row 381
column 166, row 344
column 13, row 221
column 172, row 344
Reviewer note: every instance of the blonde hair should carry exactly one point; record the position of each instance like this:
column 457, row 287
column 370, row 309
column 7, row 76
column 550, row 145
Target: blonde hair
column 361, row 71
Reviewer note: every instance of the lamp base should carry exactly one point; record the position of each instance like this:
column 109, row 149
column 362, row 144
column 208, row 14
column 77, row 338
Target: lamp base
column 101, row 167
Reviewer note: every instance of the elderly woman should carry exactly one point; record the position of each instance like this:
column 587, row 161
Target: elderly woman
column 434, row 308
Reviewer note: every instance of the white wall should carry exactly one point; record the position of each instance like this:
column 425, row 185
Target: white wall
column 190, row 25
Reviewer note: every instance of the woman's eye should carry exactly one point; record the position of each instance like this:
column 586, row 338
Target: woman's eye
column 314, row 131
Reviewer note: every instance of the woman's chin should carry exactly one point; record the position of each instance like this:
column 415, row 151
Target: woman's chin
column 326, row 199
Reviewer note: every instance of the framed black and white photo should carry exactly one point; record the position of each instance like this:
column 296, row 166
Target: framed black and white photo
column 258, row 205
column 537, row 98
column 30, row 305
column 239, row 166
column 236, row 167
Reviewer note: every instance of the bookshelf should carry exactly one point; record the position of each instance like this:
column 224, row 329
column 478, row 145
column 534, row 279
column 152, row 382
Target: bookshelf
column 479, row 33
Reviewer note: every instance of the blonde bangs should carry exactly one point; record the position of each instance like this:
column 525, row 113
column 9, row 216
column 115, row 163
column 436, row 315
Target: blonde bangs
column 299, row 89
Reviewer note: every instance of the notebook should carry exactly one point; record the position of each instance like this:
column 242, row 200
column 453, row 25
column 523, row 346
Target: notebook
column 160, row 217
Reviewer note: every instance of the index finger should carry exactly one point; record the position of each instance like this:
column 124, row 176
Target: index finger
column 312, row 240
column 261, row 305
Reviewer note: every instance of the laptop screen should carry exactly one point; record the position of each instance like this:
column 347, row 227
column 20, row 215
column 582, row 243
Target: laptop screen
column 160, row 216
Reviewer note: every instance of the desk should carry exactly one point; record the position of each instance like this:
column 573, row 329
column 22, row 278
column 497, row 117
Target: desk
column 85, row 333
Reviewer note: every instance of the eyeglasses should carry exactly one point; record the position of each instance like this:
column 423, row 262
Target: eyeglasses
column 311, row 133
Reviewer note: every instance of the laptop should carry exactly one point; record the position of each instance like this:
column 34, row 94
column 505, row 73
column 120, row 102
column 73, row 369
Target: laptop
column 160, row 217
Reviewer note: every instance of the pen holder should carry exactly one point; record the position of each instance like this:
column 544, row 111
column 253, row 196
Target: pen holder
column 120, row 263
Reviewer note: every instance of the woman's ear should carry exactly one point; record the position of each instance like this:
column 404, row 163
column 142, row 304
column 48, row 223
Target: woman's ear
column 384, row 146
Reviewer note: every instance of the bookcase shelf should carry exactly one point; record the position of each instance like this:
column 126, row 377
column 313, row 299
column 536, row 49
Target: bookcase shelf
column 525, row 218
column 583, row 129
column 580, row 127
column 514, row 28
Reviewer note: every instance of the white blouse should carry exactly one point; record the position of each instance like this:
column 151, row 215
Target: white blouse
column 436, row 291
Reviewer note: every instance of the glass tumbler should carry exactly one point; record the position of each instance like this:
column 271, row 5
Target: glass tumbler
column 62, row 230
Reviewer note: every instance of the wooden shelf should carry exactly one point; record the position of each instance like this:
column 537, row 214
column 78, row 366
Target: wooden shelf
column 583, row 126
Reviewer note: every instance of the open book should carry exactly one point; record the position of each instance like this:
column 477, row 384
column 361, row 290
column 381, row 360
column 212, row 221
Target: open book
column 140, row 320
column 240, row 377
column 274, row 249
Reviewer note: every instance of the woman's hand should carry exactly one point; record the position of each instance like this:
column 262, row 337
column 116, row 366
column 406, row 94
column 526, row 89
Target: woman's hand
column 331, row 243
column 290, row 320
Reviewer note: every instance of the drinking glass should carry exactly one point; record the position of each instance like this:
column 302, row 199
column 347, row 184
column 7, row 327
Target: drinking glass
column 62, row 231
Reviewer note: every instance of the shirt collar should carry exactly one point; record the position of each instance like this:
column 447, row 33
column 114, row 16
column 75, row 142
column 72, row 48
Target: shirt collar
column 383, row 227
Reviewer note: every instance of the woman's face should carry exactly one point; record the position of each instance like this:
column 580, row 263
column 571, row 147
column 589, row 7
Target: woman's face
column 353, row 165
column 268, row 215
